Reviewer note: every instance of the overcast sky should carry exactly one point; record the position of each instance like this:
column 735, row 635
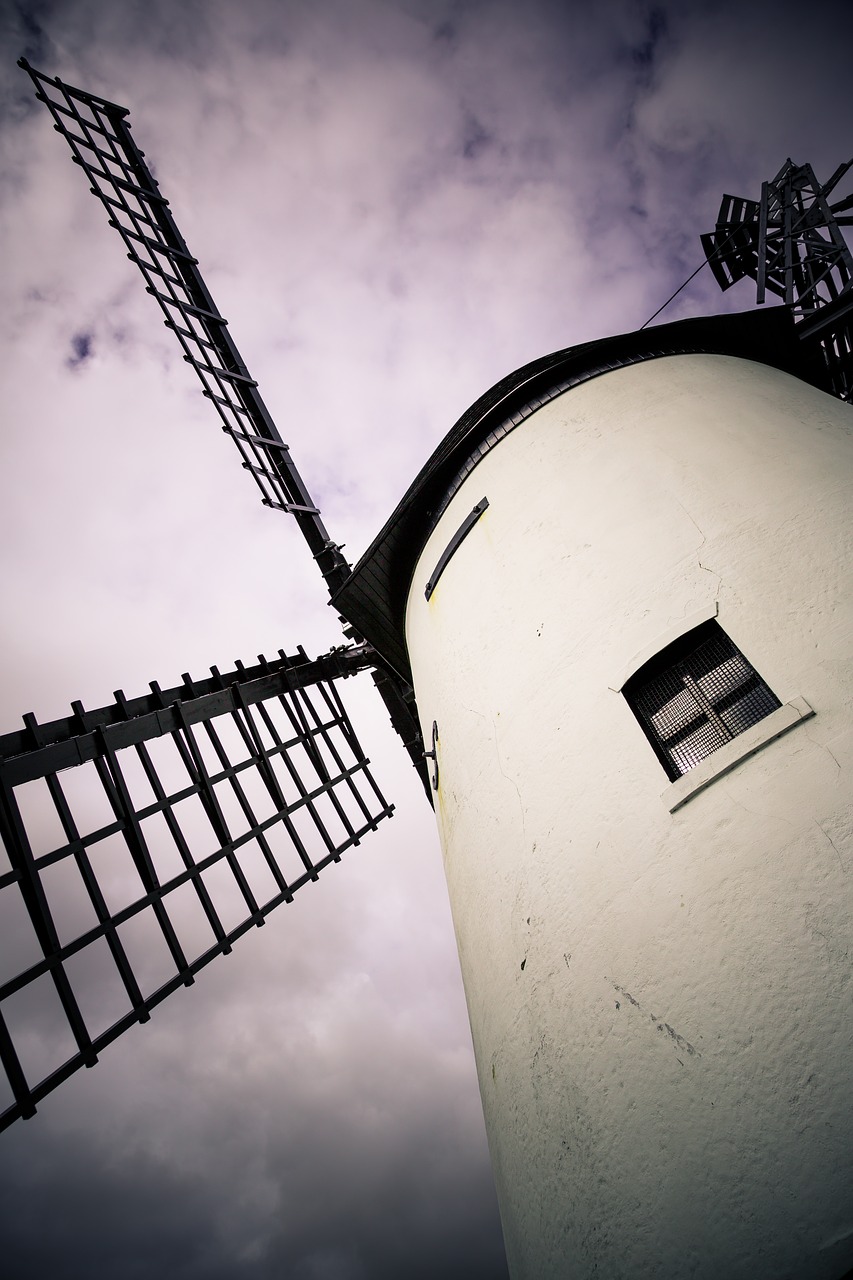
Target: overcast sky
column 395, row 203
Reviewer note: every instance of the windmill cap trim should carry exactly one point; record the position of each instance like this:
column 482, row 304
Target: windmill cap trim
column 373, row 598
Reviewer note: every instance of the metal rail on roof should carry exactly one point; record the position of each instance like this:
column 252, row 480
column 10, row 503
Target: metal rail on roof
column 790, row 243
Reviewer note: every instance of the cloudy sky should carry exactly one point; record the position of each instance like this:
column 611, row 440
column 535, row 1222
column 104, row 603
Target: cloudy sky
column 395, row 202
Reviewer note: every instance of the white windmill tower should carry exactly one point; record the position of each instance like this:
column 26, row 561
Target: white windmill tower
column 626, row 557
column 622, row 585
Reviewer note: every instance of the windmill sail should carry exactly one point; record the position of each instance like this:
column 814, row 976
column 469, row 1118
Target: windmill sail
column 144, row 838
column 98, row 133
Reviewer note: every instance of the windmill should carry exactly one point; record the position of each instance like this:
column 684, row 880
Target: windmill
column 475, row 579
column 279, row 723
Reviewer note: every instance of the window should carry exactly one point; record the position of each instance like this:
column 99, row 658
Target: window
column 695, row 696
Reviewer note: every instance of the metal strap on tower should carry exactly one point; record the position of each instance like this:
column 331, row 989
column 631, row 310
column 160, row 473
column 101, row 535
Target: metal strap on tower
column 181, row 819
column 98, row 133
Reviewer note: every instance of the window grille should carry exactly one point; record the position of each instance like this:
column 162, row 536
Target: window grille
column 696, row 695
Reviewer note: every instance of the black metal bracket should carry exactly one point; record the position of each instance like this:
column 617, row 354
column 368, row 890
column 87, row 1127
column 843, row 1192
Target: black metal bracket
column 459, row 536
column 432, row 755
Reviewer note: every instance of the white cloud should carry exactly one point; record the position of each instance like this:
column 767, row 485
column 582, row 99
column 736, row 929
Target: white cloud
column 317, row 1087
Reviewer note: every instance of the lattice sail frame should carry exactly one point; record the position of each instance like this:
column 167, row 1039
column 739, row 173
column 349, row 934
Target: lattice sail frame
column 143, row 839
column 790, row 243
column 98, row 133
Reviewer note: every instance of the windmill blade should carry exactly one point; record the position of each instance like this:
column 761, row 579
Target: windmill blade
column 98, row 133
column 144, row 838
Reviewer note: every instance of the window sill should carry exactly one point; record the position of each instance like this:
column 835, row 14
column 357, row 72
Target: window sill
column 726, row 758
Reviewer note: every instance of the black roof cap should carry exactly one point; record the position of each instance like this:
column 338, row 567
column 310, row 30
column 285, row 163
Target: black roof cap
column 374, row 597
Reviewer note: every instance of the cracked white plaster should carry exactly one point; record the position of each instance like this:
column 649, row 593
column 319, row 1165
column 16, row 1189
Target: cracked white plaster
column 728, row 918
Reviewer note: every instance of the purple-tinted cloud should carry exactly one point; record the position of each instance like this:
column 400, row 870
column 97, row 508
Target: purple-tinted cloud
column 81, row 350
column 394, row 203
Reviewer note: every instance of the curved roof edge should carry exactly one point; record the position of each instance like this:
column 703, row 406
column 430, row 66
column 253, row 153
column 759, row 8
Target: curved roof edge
column 373, row 598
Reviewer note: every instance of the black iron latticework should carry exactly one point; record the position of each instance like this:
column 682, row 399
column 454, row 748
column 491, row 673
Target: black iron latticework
column 98, row 133
column 695, row 696
column 790, row 243
column 142, row 839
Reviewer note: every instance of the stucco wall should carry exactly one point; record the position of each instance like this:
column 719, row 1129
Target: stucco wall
column 660, row 1002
